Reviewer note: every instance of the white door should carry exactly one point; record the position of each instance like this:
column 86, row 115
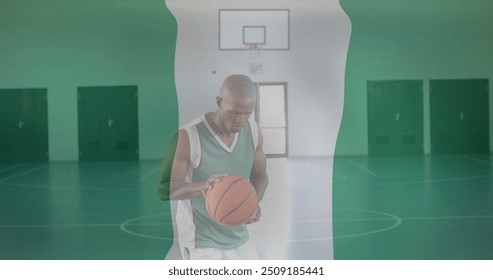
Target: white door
column 272, row 116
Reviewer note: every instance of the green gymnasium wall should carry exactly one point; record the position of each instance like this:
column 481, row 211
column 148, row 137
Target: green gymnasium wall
column 404, row 40
column 411, row 40
column 61, row 45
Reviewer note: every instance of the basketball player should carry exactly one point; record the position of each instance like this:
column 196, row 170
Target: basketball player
column 226, row 141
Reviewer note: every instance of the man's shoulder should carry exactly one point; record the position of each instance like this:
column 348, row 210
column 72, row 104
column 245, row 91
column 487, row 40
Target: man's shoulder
column 192, row 123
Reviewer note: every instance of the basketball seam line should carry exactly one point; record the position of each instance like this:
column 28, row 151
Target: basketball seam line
column 223, row 194
column 247, row 218
column 239, row 205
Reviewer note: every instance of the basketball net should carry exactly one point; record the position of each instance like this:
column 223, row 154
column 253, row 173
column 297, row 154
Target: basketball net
column 253, row 51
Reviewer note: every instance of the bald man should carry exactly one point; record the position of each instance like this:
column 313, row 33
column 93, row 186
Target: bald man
column 226, row 141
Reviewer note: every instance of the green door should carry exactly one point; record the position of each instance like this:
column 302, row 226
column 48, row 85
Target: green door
column 475, row 117
column 410, row 117
column 23, row 125
column 445, row 113
column 382, row 126
column 108, row 123
column 395, row 117
column 459, row 116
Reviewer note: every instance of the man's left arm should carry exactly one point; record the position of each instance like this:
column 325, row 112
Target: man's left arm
column 258, row 175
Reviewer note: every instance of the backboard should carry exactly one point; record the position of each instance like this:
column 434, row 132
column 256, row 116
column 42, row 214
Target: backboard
column 239, row 29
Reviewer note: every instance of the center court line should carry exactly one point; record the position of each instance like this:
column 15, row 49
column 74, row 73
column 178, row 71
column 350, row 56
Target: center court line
column 362, row 168
column 477, row 159
column 23, row 173
column 128, row 223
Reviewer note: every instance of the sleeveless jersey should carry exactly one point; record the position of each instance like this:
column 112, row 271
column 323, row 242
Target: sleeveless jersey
column 208, row 156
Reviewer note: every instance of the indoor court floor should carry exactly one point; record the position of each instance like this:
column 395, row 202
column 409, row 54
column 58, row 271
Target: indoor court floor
column 431, row 207
column 416, row 207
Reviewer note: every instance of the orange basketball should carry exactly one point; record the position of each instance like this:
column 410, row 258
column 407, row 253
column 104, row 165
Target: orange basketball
column 232, row 201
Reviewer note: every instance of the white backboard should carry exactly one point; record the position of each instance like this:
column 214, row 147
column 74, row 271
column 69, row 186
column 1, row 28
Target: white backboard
column 268, row 28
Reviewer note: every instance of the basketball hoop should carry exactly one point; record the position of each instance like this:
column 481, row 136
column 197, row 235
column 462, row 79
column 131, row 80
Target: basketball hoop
column 256, row 65
column 253, row 50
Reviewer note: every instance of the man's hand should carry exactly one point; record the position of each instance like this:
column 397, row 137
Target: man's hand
column 209, row 184
column 256, row 217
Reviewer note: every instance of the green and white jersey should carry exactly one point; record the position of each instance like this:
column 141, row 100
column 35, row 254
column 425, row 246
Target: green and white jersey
column 209, row 155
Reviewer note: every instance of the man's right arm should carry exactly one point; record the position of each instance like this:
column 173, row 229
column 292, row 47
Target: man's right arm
column 172, row 184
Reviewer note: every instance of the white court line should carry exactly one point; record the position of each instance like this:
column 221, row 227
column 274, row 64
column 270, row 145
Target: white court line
column 415, row 218
column 149, row 173
column 295, row 221
column 449, row 217
column 362, row 168
column 24, row 173
column 458, row 179
column 8, row 168
column 401, row 183
column 59, row 226
column 49, row 187
column 123, row 227
column 83, row 225
column 391, row 217
column 477, row 159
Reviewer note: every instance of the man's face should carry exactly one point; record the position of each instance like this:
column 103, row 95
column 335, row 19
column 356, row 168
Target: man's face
column 235, row 111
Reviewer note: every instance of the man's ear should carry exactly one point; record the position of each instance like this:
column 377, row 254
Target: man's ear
column 219, row 100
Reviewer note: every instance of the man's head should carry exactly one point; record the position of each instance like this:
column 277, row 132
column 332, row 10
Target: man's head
column 236, row 101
